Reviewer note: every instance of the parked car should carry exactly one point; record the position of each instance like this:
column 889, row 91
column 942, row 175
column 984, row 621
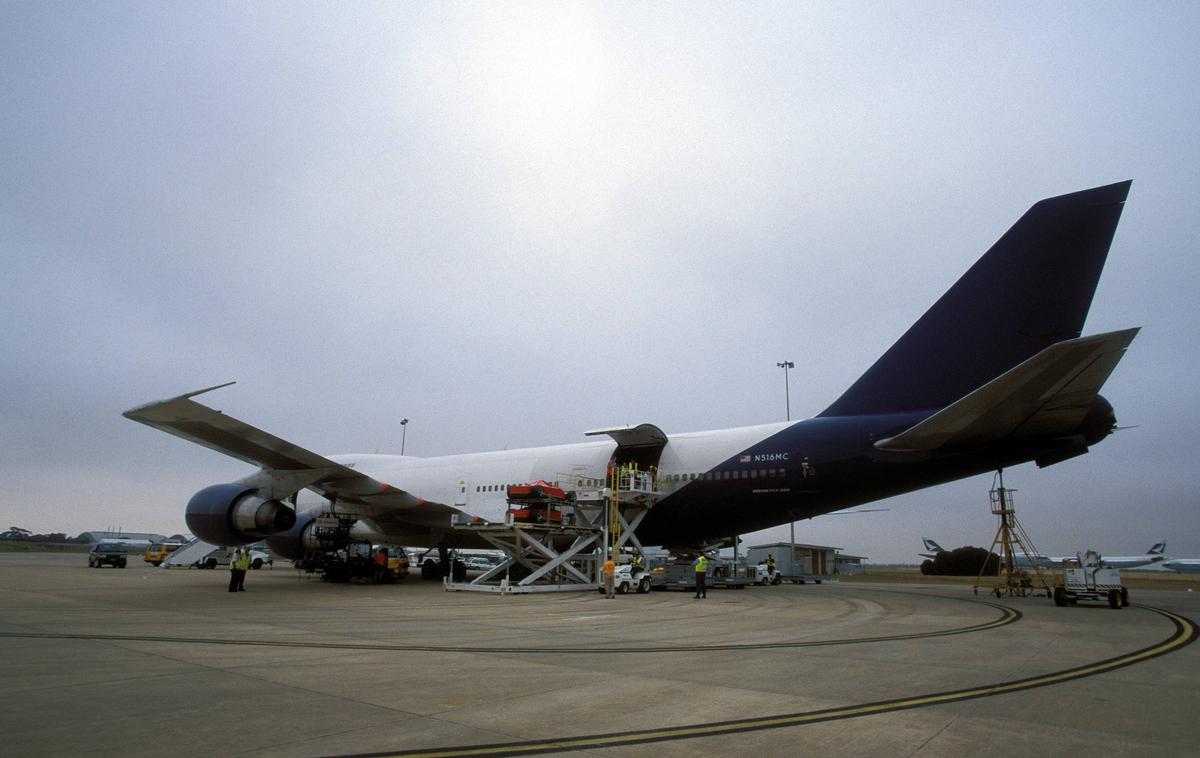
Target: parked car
column 111, row 553
column 220, row 557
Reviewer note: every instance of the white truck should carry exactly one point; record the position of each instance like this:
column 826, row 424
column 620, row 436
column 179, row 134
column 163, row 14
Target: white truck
column 627, row 579
column 1089, row 580
column 762, row 573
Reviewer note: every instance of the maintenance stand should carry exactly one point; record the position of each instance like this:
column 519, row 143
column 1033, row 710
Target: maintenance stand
column 1011, row 538
column 556, row 534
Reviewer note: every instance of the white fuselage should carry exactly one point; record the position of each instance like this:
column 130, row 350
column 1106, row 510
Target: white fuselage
column 1183, row 565
column 1129, row 561
column 475, row 483
column 1115, row 561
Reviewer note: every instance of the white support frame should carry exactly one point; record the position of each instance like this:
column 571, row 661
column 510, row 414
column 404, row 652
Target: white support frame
column 532, row 546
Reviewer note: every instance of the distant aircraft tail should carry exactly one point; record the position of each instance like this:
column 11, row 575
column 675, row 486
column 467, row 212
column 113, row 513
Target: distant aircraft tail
column 932, row 546
column 1158, row 548
column 1031, row 290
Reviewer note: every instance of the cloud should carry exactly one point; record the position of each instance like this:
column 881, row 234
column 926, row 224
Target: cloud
column 381, row 211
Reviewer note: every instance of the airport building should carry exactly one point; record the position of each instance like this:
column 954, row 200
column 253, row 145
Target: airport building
column 796, row 559
column 845, row 564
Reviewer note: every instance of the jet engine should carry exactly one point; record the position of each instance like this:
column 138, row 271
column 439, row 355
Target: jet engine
column 234, row 514
column 309, row 534
column 294, row 543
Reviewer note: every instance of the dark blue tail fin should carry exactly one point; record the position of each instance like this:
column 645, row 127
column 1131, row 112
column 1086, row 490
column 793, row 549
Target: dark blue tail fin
column 1032, row 289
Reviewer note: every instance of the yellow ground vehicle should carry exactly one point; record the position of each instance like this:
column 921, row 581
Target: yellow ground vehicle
column 158, row 552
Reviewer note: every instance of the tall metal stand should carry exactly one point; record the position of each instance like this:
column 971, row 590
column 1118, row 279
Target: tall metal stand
column 1011, row 538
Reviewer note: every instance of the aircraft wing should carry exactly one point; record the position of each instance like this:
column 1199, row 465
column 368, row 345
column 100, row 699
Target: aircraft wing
column 1048, row 392
column 286, row 467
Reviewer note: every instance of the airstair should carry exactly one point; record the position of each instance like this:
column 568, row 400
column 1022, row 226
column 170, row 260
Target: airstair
column 566, row 552
column 189, row 555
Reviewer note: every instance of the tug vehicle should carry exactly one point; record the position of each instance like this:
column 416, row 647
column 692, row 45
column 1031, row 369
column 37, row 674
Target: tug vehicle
column 763, row 574
column 627, row 579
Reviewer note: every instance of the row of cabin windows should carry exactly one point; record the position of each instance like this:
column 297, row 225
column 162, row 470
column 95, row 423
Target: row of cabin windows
column 492, row 487
column 504, row 487
column 757, row 473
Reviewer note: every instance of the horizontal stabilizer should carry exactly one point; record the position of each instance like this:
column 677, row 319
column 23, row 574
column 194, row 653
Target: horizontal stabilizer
column 1046, row 395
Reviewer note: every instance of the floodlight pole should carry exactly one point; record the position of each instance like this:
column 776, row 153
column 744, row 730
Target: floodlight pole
column 403, row 434
column 785, row 365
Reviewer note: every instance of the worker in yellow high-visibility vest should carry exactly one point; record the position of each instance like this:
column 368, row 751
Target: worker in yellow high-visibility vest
column 235, row 569
column 701, row 566
column 238, row 566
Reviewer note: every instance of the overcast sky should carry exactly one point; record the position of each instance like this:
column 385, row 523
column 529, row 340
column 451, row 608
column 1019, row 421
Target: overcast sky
column 511, row 223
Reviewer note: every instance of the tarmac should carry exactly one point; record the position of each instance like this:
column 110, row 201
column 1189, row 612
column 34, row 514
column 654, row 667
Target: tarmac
column 144, row 661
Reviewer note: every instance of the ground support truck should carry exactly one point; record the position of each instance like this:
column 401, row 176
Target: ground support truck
column 1089, row 580
column 628, row 579
column 357, row 562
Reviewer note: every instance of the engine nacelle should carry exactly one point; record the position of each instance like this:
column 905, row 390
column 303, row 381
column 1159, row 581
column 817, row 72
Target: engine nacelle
column 308, row 534
column 295, row 542
column 234, row 514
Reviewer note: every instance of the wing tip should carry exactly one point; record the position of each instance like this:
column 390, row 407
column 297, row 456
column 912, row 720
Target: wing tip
column 135, row 414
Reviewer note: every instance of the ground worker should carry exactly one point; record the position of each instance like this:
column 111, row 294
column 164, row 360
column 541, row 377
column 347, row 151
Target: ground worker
column 381, row 562
column 610, row 568
column 234, row 569
column 770, row 565
column 238, row 568
column 638, row 563
column 701, row 566
column 244, row 569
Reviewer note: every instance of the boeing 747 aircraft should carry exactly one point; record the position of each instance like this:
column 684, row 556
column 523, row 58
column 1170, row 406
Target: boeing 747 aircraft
column 995, row 374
